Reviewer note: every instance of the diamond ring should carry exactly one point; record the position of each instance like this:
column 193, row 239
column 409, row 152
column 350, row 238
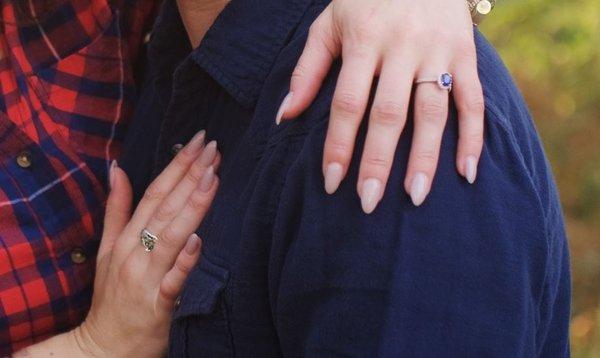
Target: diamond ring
column 148, row 240
column 444, row 81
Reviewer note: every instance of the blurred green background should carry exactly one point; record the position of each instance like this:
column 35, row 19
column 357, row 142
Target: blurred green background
column 552, row 47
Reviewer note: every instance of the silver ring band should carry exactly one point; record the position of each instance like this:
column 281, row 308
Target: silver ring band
column 148, row 240
column 444, row 81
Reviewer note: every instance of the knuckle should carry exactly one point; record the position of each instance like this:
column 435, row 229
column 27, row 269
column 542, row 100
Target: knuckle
column 474, row 104
column 198, row 201
column 169, row 289
column 195, row 173
column 337, row 148
column 299, row 72
column 472, row 138
column 346, row 103
column 388, row 112
column 426, row 157
column 364, row 31
column 464, row 45
column 165, row 211
column 155, row 192
column 185, row 266
column 377, row 162
column 184, row 156
column 168, row 238
column 431, row 109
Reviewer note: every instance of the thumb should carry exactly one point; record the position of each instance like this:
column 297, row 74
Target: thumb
column 118, row 208
column 323, row 46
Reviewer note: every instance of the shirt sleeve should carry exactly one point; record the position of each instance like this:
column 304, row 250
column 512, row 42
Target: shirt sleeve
column 472, row 272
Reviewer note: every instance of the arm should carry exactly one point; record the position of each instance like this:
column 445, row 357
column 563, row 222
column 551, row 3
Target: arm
column 135, row 290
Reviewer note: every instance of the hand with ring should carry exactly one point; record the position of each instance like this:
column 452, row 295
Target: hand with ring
column 412, row 47
column 144, row 259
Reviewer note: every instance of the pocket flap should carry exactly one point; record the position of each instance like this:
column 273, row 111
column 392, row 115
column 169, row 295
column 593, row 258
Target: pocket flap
column 202, row 289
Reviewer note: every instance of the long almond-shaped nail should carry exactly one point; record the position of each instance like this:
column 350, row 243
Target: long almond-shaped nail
column 197, row 142
column 192, row 245
column 418, row 189
column 112, row 173
column 334, row 172
column 285, row 104
column 207, row 179
column 471, row 169
column 370, row 194
column 209, row 154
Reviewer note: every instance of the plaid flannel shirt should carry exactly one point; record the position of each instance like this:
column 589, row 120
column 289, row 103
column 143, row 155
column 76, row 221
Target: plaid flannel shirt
column 67, row 92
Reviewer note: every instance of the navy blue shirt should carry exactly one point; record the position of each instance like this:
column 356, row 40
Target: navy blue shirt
column 477, row 271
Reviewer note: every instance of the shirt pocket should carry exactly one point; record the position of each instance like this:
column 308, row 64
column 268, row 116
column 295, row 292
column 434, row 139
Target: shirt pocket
column 201, row 324
column 86, row 95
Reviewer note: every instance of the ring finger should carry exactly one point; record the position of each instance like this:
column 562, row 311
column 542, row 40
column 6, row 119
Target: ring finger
column 431, row 111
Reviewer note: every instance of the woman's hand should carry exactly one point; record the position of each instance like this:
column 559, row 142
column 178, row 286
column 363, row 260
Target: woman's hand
column 135, row 290
column 400, row 41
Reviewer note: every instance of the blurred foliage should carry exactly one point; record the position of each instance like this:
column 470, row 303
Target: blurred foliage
column 552, row 48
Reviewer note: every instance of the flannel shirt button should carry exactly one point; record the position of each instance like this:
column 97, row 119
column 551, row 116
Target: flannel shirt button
column 176, row 148
column 78, row 256
column 178, row 302
column 24, row 159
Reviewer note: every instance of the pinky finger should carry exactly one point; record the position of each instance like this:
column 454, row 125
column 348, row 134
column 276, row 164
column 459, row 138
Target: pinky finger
column 172, row 283
column 468, row 96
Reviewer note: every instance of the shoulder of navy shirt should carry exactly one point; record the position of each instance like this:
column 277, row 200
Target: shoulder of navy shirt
column 478, row 270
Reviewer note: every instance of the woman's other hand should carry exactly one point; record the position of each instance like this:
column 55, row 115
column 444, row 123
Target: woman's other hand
column 135, row 290
column 399, row 41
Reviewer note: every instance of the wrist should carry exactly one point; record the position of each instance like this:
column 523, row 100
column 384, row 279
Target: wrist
column 85, row 344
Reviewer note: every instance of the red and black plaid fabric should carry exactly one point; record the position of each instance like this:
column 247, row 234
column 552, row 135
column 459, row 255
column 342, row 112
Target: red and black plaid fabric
column 67, row 92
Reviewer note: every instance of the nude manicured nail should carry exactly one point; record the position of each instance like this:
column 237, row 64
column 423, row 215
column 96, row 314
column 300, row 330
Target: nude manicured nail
column 285, row 104
column 471, row 169
column 209, row 154
column 192, row 245
column 197, row 142
column 112, row 173
column 370, row 194
column 207, row 179
column 333, row 177
column 418, row 189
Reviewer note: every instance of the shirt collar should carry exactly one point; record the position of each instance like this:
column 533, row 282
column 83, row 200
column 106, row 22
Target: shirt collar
column 240, row 48
column 38, row 44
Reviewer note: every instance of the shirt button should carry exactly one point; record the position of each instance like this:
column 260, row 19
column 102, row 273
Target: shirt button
column 176, row 148
column 78, row 256
column 147, row 37
column 24, row 159
column 178, row 302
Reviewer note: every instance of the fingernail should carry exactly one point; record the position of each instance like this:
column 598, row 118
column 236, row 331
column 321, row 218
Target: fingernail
column 417, row 189
column 333, row 177
column 370, row 195
column 196, row 142
column 208, row 156
column 207, row 179
column 192, row 245
column 471, row 169
column 284, row 107
column 112, row 173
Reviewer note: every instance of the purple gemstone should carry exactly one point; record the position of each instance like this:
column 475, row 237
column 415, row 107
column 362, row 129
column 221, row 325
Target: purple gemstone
column 446, row 80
